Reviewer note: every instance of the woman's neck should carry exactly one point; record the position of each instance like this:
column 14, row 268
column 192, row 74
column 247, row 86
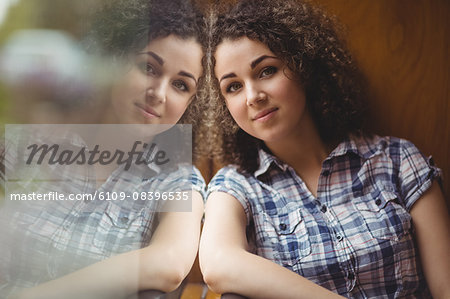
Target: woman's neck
column 304, row 151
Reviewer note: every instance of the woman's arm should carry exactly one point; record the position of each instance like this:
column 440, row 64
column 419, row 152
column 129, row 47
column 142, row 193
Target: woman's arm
column 432, row 226
column 162, row 265
column 228, row 267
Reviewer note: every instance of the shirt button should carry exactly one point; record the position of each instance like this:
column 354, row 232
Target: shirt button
column 323, row 209
column 350, row 275
column 339, row 238
column 282, row 226
column 378, row 202
column 124, row 220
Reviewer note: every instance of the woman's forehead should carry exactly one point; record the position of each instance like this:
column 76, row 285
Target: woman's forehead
column 239, row 52
column 176, row 52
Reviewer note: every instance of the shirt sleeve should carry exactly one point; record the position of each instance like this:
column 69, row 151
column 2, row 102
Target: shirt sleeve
column 416, row 174
column 186, row 177
column 230, row 181
column 197, row 182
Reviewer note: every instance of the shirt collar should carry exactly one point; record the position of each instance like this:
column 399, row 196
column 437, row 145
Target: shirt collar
column 347, row 146
column 266, row 160
column 358, row 146
column 364, row 147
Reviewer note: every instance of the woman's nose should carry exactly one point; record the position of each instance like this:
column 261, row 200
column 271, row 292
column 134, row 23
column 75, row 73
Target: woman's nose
column 254, row 95
column 157, row 91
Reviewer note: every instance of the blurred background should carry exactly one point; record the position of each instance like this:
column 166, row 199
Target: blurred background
column 45, row 75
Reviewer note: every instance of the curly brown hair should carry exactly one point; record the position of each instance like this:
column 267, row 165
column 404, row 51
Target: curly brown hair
column 307, row 41
column 124, row 27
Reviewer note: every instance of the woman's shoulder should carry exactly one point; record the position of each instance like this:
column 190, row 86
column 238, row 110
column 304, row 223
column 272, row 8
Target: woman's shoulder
column 392, row 146
column 184, row 176
column 230, row 179
column 229, row 173
column 409, row 169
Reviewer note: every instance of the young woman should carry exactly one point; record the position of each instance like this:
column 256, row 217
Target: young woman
column 311, row 206
column 113, row 249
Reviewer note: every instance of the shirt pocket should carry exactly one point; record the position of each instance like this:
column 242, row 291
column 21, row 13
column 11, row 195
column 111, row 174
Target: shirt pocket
column 383, row 215
column 287, row 233
column 93, row 233
column 119, row 230
column 40, row 218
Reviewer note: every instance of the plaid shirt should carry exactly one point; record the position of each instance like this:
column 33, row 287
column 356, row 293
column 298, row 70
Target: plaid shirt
column 356, row 237
column 44, row 240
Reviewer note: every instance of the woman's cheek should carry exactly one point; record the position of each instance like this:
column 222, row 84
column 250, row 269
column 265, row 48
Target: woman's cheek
column 176, row 109
column 235, row 111
column 242, row 121
column 275, row 87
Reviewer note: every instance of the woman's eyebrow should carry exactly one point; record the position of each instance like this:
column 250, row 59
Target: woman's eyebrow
column 252, row 65
column 259, row 59
column 155, row 56
column 230, row 75
column 189, row 75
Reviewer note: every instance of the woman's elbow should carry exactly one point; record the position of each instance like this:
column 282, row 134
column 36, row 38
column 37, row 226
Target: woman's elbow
column 215, row 268
column 167, row 279
column 168, row 273
column 214, row 279
column 178, row 267
column 172, row 280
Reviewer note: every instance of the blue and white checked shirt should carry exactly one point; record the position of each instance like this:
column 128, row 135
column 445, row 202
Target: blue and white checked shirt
column 44, row 240
column 356, row 237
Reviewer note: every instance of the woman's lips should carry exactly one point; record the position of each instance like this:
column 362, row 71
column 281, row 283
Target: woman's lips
column 147, row 111
column 265, row 114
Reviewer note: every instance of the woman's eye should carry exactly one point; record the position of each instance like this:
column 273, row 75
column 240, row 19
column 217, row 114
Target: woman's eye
column 268, row 71
column 235, row 86
column 147, row 68
column 180, row 85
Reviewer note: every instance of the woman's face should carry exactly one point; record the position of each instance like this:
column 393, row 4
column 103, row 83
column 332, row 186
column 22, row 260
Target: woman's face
column 264, row 97
column 160, row 83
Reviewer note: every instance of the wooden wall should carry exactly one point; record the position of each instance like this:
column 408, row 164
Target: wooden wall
column 403, row 47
